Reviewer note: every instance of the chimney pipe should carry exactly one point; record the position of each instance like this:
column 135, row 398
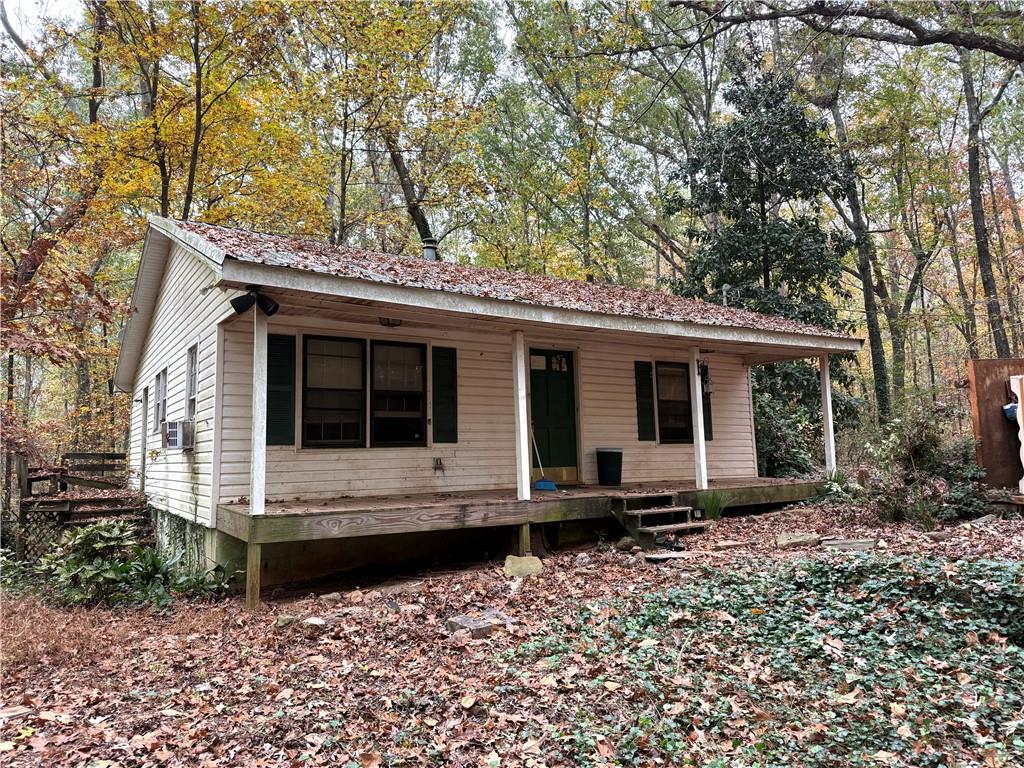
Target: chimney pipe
column 430, row 248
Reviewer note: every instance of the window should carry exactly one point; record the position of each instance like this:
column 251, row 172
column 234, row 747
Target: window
column 675, row 420
column 445, row 406
column 280, row 389
column 333, row 392
column 191, row 381
column 675, row 415
column 159, row 400
column 399, row 394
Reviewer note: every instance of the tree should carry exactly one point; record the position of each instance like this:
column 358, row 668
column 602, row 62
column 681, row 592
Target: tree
column 758, row 181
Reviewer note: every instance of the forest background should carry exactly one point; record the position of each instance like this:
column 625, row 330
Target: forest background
column 611, row 141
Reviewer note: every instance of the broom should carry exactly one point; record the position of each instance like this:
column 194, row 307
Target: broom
column 543, row 484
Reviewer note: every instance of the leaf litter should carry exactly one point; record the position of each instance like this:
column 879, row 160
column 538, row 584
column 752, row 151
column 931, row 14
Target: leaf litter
column 722, row 659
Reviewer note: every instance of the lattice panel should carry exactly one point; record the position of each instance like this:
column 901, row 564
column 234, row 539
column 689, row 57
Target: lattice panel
column 41, row 531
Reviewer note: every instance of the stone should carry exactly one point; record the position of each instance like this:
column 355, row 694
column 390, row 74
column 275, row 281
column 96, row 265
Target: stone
column 284, row 619
column 982, row 520
column 331, row 597
column 530, row 565
column 479, row 626
column 314, row 623
column 797, row 540
column 625, row 544
column 850, row 545
column 728, row 544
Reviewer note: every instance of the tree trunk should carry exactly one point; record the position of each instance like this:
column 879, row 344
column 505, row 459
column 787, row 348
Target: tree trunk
column 988, row 278
column 197, row 103
column 413, row 204
column 862, row 240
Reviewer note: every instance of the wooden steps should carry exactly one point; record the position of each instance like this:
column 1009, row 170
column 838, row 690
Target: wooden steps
column 657, row 511
column 646, row 516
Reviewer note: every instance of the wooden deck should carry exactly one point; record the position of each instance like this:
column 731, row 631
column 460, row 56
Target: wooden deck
column 380, row 515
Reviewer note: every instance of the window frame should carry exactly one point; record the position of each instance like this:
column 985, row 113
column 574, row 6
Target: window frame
column 658, row 399
column 159, row 401
column 704, row 371
column 374, row 442
column 363, row 426
column 192, row 382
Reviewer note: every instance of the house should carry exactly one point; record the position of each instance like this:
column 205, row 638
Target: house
column 289, row 395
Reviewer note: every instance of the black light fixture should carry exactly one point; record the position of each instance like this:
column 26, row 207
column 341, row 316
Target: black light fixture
column 242, row 304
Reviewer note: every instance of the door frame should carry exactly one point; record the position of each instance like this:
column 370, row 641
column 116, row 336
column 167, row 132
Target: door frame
column 574, row 350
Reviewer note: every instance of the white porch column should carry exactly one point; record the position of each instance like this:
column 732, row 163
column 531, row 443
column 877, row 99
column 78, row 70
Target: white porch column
column 700, row 458
column 519, row 369
column 258, row 457
column 826, row 416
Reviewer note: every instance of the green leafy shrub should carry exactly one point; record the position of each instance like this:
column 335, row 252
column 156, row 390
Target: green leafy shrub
column 104, row 563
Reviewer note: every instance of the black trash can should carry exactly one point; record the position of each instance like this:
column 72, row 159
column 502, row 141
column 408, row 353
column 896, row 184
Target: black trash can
column 609, row 466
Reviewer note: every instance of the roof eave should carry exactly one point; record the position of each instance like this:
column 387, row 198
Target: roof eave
column 285, row 278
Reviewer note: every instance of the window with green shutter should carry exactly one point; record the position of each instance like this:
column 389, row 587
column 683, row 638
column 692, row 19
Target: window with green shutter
column 280, row 389
column 445, row 377
column 642, row 371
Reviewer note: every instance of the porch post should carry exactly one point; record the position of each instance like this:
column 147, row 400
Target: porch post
column 826, row 415
column 522, row 422
column 258, row 457
column 700, row 459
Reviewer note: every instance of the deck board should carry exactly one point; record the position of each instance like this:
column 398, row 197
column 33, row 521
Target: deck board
column 305, row 520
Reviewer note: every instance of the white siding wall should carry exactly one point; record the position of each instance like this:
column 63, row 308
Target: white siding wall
column 185, row 314
column 484, row 457
column 608, row 409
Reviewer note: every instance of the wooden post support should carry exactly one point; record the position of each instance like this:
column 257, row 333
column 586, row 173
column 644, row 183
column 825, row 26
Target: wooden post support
column 519, row 371
column 523, row 545
column 700, row 458
column 253, row 562
column 826, row 416
column 1017, row 387
column 258, row 459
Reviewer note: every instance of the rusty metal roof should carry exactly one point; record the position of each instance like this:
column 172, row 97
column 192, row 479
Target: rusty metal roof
column 484, row 282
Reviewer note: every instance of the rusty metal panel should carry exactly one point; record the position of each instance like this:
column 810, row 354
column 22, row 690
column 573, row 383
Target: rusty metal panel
column 995, row 436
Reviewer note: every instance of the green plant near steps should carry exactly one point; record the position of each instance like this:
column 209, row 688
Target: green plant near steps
column 104, row 563
column 713, row 503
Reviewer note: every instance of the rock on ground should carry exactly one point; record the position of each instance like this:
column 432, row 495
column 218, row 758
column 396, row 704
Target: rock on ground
column 796, row 540
column 523, row 566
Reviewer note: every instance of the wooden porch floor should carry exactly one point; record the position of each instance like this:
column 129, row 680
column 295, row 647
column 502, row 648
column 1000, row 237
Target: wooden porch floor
column 345, row 517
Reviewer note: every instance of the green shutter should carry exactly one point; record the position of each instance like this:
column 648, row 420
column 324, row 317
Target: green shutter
column 446, row 395
column 280, row 390
column 706, row 401
column 643, row 372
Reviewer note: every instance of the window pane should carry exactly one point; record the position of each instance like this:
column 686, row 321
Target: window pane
column 333, row 399
column 672, row 382
column 675, row 421
column 399, row 394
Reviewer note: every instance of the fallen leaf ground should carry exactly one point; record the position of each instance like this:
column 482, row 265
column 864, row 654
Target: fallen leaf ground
column 750, row 657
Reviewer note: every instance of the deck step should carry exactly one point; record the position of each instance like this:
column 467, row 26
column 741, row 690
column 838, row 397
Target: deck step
column 673, row 528
column 656, row 511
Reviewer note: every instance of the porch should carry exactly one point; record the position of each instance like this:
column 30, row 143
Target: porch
column 350, row 517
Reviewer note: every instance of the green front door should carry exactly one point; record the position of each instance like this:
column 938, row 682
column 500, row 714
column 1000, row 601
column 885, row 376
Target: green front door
column 553, row 411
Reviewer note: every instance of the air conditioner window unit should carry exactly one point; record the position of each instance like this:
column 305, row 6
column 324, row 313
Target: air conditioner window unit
column 179, row 434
